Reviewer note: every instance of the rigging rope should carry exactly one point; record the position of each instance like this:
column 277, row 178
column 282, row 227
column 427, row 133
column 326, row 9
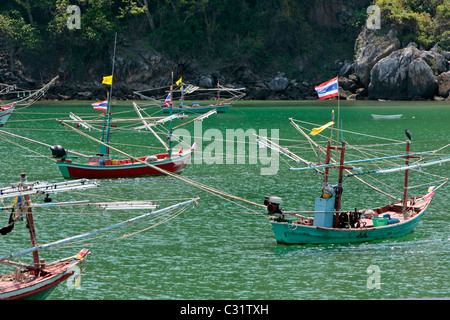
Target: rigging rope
column 191, row 182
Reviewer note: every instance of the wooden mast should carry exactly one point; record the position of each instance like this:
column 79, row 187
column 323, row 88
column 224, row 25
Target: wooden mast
column 405, row 188
column 327, row 161
column 32, row 230
column 341, row 170
column 106, row 130
column 218, row 93
column 337, row 206
column 169, row 138
column 30, row 221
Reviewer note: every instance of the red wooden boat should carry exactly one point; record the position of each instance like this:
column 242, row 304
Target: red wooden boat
column 100, row 167
column 103, row 165
column 36, row 281
column 11, row 97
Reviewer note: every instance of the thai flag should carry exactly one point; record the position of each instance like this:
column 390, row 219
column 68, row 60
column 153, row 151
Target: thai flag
column 328, row 89
column 102, row 105
column 168, row 100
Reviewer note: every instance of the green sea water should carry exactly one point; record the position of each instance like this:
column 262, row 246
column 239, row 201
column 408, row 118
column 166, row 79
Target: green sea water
column 208, row 253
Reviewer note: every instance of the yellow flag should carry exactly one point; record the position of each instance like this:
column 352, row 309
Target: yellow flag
column 179, row 81
column 320, row 129
column 107, row 80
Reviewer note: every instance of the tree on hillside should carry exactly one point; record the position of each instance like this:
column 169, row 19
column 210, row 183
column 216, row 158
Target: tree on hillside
column 425, row 22
column 16, row 35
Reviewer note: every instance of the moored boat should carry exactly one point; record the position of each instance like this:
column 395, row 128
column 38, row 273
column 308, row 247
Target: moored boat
column 34, row 281
column 21, row 97
column 353, row 226
column 110, row 167
column 386, row 116
column 221, row 104
column 330, row 224
column 197, row 108
column 103, row 165
column 5, row 113
column 37, row 280
column 37, row 283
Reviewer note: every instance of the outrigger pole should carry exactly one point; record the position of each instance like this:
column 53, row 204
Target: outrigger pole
column 38, row 142
column 84, row 235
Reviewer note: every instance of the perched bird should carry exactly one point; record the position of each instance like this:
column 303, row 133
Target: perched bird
column 408, row 134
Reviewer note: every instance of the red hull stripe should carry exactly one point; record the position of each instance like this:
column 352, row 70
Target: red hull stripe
column 121, row 171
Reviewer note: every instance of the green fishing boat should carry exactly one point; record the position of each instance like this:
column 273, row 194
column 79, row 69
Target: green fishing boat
column 330, row 224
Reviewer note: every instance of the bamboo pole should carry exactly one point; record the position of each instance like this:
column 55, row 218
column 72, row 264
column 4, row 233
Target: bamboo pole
column 84, row 235
column 191, row 182
column 38, row 142
column 357, row 178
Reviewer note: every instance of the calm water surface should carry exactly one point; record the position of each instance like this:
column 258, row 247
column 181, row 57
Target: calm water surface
column 206, row 252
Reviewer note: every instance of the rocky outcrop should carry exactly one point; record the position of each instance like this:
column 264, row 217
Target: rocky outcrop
column 389, row 77
column 370, row 47
column 388, row 71
column 421, row 80
column 444, row 84
column 277, row 84
column 407, row 74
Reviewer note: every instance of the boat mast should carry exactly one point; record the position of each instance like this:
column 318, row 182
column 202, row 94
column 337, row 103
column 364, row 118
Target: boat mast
column 338, row 191
column 182, row 96
column 169, row 138
column 328, row 155
column 106, row 130
column 30, row 221
column 31, row 229
column 405, row 188
column 327, row 161
column 341, row 170
column 218, row 92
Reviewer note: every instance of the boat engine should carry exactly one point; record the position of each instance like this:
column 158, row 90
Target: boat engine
column 350, row 219
column 273, row 204
column 58, row 151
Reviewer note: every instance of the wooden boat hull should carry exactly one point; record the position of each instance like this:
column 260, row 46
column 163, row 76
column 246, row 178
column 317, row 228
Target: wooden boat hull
column 200, row 109
column 40, row 287
column 291, row 233
column 5, row 113
column 71, row 170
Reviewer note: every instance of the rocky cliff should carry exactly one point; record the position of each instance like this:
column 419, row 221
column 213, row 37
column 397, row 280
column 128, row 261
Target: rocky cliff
column 384, row 70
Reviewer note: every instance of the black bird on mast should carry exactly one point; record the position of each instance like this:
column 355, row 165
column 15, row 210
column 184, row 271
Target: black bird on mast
column 408, row 134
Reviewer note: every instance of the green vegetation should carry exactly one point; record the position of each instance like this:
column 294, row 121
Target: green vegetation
column 426, row 22
column 263, row 35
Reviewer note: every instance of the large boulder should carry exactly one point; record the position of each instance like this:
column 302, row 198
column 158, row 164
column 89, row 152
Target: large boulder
column 435, row 60
column 278, row 83
column 443, row 81
column 370, row 47
column 205, row 81
column 421, row 80
column 404, row 74
column 389, row 77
